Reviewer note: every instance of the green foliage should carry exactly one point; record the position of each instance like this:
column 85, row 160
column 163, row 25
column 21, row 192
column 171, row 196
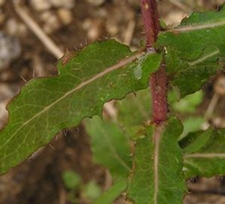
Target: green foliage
column 198, row 37
column 109, row 145
column 111, row 194
column 98, row 73
column 191, row 124
column 186, row 108
column 166, row 153
column 194, row 49
column 204, row 153
column 132, row 121
column 73, row 183
column 189, row 103
column 156, row 176
column 91, row 191
column 113, row 138
column 71, row 179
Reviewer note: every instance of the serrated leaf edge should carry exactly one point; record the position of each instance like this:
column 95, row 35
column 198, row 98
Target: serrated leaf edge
column 120, row 64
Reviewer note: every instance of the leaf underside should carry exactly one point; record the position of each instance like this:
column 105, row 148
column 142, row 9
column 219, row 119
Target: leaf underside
column 194, row 50
column 98, row 73
column 156, row 177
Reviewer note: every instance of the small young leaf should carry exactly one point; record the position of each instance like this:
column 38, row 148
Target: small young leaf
column 132, row 121
column 71, row 179
column 98, row 73
column 205, row 155
column 109, row 146
column 189, row 103
column 91, row 191
column 156, row 177
column 112, row 193
column 195, row 141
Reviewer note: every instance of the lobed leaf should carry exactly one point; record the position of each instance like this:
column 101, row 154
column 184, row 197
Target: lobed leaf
column 189, row 77
column 156, row 177
column 195, row 49
column 89, row 78
column 204, row 153
column 200, row 35
column 110, row 146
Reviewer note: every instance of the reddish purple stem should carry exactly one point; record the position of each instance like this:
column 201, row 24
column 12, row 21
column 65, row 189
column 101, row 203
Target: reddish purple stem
column 151, row 21
column 158, row 86
column 158, row 80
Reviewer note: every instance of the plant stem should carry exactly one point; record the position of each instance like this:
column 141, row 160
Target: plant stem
column 158, row 86
column 150, row 19
column 158, row 80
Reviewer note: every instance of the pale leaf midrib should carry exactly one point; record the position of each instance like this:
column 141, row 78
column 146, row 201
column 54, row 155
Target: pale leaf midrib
column 157, row 137
column 108, row 70
column 204, row 155
column 193, row 27
column 203, row 58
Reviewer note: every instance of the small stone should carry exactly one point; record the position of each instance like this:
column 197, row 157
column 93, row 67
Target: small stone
column 112, row 29
column 13, row 27
column 51, row 22
column 65, row 16
column 40, row 5
column 2, row 2
column 69, row 4
column 96, row 2
column 10, row 49
column 44, row 16
column 87, row 24
column 93, row 28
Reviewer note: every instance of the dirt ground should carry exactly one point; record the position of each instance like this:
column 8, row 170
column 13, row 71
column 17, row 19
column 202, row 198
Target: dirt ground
column 72, row 24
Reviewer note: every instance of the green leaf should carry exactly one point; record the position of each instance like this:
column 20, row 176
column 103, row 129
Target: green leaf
column 195, row 50
column 205, row 153
column 195, row 140
column 91, row 191
column 109, row 146
column 199, row 32
column 189, row 103
column 89, row 78
column 132, row 121
column 112, row 193
column 191, row 124
column 191, row 80
column 71, row 179
column 157, row 177
column 189, row 77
